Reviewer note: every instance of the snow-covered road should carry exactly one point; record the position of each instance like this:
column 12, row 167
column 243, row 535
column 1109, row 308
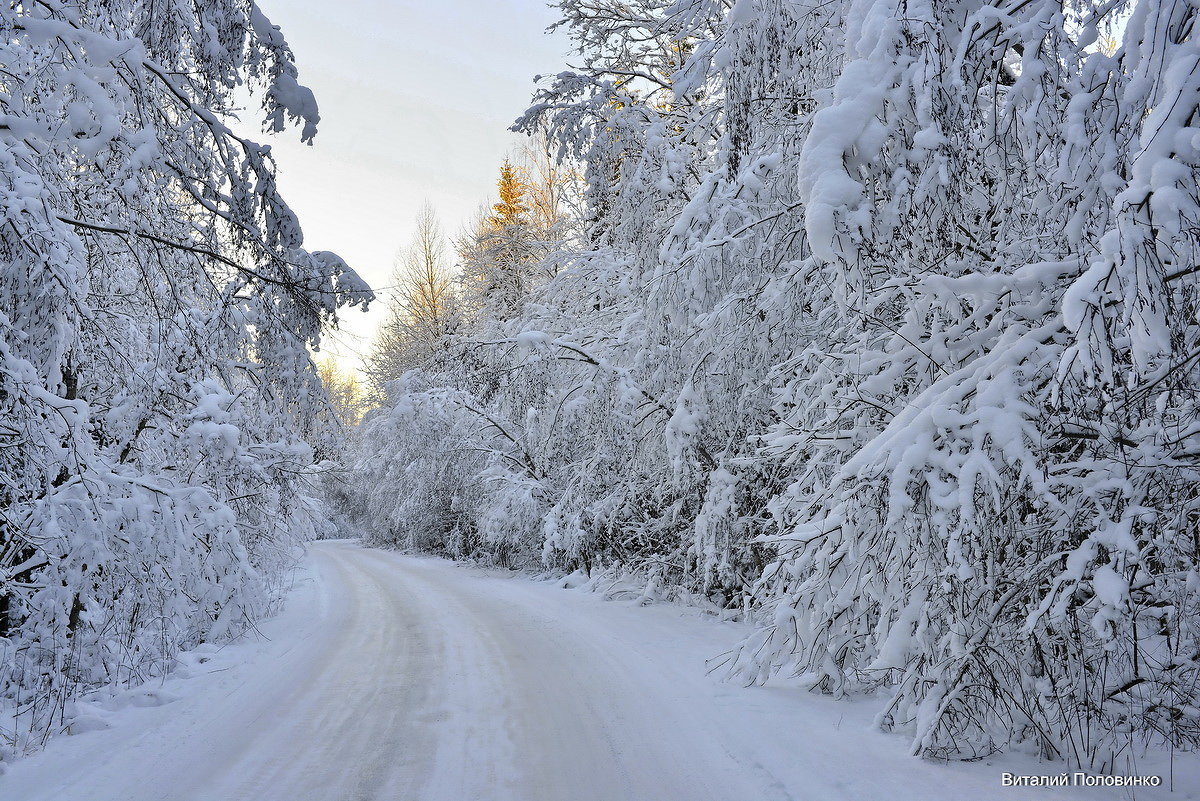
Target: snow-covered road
column 414, row 679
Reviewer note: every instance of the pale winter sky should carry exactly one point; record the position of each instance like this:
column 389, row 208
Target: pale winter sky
column 416, row 99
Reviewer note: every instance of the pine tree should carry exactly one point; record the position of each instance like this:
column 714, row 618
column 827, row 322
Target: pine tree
column 499, row 257
column 511, row 210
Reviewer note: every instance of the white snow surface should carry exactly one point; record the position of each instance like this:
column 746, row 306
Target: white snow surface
column 397, row 677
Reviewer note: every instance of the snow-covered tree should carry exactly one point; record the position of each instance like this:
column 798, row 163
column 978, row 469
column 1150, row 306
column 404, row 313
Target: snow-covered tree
column 157, row 312
column 347, row 400
column 498, row 258
column 425, row 308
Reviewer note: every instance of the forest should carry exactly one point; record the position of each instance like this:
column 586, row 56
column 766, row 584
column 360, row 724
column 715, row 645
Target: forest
column 874, row 322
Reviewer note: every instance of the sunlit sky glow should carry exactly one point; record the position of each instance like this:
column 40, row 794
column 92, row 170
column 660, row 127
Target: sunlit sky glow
column 416, row 100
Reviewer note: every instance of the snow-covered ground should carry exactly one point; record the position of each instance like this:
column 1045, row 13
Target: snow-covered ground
column 415, row 679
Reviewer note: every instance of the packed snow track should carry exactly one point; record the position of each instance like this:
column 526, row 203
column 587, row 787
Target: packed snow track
column 414, row 679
